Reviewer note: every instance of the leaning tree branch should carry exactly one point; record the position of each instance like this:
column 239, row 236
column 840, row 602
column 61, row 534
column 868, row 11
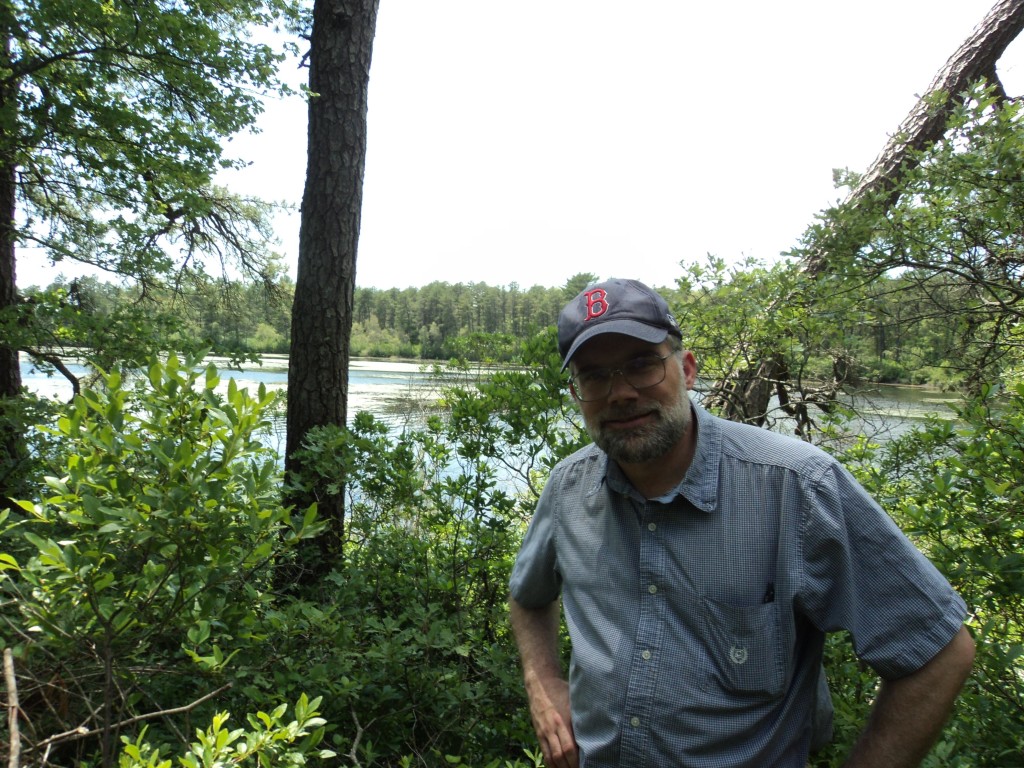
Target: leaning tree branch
column 743, row 394
column 56, row 362
column 926, row 124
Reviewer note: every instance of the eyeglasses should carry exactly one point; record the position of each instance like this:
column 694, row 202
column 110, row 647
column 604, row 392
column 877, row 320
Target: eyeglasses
column 640, row 373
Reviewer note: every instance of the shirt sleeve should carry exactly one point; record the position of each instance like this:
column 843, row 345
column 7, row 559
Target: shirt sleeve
column 535, row 581
column 862, row 574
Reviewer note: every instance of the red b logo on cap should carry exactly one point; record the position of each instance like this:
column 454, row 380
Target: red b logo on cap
column 597, row 303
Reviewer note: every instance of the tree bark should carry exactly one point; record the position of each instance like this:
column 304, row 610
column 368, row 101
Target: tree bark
column 341, row 47
column 12, row 451
column 14, row 738
column 10, row 371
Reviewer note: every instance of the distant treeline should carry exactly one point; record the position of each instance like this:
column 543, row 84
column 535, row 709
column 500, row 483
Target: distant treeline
column 441, row 320
column 434, row 322
column 894, row 342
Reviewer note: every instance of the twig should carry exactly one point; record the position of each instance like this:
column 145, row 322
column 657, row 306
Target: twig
column 56, row 362
column 81, row 731
column 353, row 754
column 13, row 757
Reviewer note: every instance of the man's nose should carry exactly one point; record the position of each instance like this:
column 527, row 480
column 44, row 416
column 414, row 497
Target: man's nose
column 621, row 389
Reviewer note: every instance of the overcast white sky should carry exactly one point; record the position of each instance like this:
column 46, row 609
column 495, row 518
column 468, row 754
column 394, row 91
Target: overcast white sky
column 523, row 142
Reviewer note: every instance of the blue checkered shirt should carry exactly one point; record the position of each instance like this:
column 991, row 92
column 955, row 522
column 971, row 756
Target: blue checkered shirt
column 698, row 620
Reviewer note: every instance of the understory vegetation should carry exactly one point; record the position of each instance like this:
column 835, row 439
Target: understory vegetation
column 143, row 619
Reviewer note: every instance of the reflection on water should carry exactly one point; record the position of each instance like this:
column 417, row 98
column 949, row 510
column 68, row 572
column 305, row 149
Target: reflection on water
column 886, row 411
column 394, row 392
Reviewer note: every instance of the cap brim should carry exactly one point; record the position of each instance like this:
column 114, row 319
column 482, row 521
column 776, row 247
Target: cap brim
column 634, row 328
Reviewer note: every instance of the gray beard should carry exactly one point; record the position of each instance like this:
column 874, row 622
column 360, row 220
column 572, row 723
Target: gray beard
column 646, row 443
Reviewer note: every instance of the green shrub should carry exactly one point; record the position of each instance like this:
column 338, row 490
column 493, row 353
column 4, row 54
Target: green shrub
column 955, row 488
column 142, row 568
column 408, row 639
column 269, row 740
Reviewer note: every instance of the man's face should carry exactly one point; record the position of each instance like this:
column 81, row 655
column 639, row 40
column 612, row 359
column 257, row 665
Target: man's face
column 630, row 425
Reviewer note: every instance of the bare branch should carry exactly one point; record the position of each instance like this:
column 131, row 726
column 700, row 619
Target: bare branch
column 57, row 363
column 81, row 731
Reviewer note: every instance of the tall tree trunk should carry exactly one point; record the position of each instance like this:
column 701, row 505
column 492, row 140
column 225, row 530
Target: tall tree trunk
column 12, row 448
column 341, row 47
column 10, row 372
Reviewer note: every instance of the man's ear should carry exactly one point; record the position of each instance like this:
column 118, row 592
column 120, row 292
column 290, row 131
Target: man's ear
column 689, row 368
column 569, row 386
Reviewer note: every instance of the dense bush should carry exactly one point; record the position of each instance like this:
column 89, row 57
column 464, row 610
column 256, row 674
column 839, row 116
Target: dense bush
column 954, row 487
column 408, row 639
column 143, row 564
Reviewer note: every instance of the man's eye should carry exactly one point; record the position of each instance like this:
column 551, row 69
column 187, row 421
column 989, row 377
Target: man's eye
column 641, row 364
column 595, row 376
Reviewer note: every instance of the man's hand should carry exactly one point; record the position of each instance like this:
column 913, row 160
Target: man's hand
column 549, row 710
column 536, row 632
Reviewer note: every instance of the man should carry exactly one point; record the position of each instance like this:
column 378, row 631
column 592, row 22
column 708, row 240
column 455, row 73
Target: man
column 700, row 563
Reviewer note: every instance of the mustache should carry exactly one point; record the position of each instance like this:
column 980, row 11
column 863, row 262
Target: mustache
column 630, row 412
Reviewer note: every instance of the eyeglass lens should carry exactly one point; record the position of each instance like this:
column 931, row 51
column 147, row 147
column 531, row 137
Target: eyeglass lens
column 640, row 373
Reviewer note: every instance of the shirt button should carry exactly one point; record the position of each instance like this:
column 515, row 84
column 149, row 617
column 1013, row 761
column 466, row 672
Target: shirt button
column 652, row 589
column 652, row 527
column 635, row 722
column 646, row 655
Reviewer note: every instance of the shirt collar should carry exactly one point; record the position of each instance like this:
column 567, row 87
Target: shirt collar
column 700, row 485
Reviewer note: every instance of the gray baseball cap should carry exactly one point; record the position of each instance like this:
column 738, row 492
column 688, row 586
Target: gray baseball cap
column 615, row 306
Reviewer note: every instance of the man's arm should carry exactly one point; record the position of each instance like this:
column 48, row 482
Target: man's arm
column 910, row 712
column 536, row 633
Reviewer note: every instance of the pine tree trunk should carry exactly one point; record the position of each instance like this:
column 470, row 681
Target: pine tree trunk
column 12, row 448
column 10, row 372
column 340, row 51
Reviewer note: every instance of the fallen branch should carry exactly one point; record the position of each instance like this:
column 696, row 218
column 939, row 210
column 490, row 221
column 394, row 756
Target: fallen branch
column 82, row 731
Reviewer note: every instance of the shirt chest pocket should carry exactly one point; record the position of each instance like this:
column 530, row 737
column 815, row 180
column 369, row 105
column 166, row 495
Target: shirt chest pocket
column 743, row 649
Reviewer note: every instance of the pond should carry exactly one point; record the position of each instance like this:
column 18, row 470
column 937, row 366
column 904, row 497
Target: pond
column 396, row 392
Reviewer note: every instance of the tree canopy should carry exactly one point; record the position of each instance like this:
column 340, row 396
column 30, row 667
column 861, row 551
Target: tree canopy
column 112, row 120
